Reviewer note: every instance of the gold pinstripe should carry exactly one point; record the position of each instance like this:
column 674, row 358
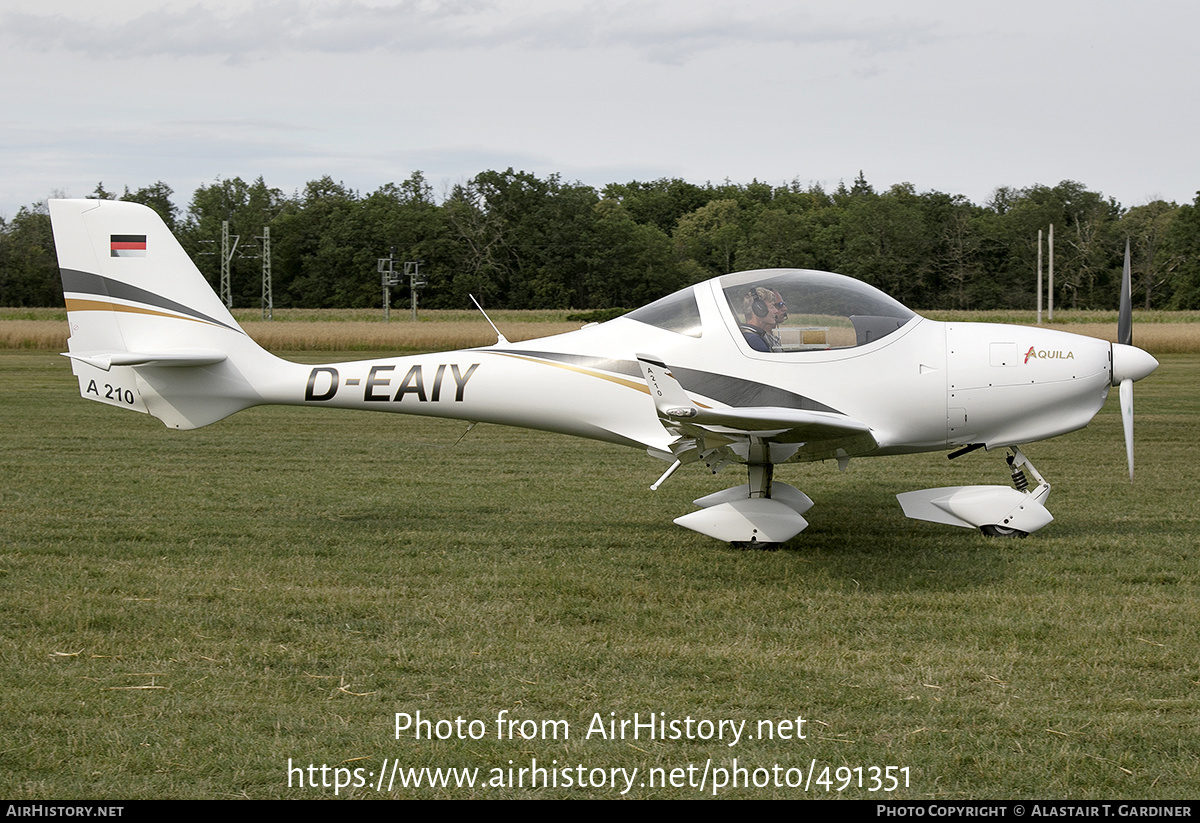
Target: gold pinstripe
column 77, row 304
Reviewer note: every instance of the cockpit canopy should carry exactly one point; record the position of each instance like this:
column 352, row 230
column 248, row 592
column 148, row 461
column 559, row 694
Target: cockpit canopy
column 824, row 310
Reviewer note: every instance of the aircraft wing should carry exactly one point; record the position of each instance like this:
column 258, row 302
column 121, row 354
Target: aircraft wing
column 806, row 425
column 814, row 435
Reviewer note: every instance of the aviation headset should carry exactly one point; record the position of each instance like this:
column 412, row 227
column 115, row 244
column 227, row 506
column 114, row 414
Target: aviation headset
column 756, row 299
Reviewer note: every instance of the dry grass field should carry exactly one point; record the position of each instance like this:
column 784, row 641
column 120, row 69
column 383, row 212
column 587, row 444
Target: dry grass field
column 332, row 330
column 362, row 330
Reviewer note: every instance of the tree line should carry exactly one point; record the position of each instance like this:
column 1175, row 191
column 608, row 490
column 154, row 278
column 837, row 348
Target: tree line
column 515, row 240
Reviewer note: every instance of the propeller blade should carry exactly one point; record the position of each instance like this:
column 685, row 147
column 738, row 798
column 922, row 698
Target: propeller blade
column 1125, row 316
column 1127, row 420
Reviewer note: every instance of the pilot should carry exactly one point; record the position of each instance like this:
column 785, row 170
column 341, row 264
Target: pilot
column 763, row 310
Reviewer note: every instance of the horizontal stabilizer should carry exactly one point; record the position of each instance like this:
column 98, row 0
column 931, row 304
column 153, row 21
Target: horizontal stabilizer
column 175, row 359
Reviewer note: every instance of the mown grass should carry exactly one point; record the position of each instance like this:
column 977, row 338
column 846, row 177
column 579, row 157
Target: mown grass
column 185, row 612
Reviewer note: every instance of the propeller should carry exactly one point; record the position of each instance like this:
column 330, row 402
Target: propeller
column 1126, row 398
column 1125, row 338
column 1129, row 362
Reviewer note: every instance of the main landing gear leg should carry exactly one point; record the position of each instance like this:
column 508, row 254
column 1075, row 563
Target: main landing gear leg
column 759, row 514
column 759, row 480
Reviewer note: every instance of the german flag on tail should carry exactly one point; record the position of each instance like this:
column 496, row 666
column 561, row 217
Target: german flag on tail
column 127, row 245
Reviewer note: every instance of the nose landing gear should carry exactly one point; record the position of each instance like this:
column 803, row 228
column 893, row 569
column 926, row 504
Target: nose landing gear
column 997, row 511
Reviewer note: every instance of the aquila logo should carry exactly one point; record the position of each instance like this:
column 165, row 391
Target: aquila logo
column 1045, row 354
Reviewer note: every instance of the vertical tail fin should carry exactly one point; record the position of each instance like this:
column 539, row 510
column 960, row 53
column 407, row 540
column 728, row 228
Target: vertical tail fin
column 147, row 331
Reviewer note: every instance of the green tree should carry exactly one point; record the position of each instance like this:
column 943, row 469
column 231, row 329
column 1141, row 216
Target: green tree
column 101, row 193
column 777, row 238
column 955, row 246
column 627, row 264
column 478, row 261
column 885, row 240
column 158, row 197
column 1086, row 251
column 28, row 264
column 1152, row 262
column 660, row 202
column 248, row 207
column 321, row 248
column 520, row 239
column 406, row 217
column 565, row 228
column 1183, row 244
column 799, row 228
column 711, row 236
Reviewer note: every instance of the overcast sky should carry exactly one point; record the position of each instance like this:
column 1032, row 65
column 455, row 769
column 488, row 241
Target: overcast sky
column 950, row 95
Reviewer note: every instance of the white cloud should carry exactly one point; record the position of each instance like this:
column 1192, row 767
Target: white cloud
column 669, row 32
column 952, row 96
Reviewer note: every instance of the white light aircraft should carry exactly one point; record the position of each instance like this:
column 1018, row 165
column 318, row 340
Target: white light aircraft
column 849, row 373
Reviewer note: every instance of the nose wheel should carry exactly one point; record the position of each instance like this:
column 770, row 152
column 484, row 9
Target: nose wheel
column 1017, row 464
column 992, row 530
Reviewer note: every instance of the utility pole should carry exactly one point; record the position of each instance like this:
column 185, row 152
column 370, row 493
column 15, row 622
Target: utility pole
column 389, row 278
column 1050, row 293
column 268, row 301
column 226, row 293
column 228, row 249
column 1039, row 279
column 386, row 267
column 416, row 282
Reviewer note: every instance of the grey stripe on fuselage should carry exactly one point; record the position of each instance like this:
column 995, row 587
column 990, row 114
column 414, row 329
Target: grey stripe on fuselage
column 732, row 391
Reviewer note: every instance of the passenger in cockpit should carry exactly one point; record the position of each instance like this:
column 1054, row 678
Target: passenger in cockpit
column 763, row 310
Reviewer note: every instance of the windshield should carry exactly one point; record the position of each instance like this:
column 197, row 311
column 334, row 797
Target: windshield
column 676, row 312
column 804, row 310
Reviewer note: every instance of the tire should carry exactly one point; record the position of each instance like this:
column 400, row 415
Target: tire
column 1002, row 531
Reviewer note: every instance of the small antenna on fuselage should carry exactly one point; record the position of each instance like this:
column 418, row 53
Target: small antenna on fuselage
column 500, row 338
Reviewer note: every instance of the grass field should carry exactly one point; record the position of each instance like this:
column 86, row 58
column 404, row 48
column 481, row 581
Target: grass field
column 187, row 613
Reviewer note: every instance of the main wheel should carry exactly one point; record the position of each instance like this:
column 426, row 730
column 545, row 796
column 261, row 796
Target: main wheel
column 752, row 545
column 1002, row 531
